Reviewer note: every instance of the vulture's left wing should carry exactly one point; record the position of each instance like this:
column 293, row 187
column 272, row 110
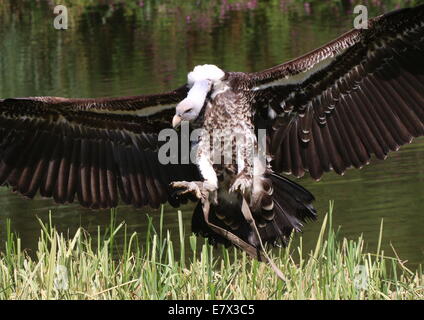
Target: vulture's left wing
column 99, row 150
column 361, row 94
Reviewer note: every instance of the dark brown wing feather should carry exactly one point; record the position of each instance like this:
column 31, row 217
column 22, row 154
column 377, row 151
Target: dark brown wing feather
column 359, row 95
column 93, row 150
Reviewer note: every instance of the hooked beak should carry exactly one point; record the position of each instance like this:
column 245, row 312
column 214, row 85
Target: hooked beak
column 193, row 102
column 176, row 121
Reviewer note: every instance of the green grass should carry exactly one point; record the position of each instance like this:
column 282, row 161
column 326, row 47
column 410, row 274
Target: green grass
column 88, row 267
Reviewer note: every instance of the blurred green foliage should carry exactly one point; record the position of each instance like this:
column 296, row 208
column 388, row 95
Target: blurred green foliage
column 211, row 7
column 167, row 38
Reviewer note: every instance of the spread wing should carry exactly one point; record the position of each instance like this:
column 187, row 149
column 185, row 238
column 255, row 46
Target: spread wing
column 359, row 95
column 98, row 150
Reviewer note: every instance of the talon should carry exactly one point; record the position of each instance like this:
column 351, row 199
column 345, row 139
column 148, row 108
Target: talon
column 187, row 187
column 242, row 184
column 200, row 189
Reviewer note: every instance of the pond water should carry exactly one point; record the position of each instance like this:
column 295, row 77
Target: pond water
column 149, row 46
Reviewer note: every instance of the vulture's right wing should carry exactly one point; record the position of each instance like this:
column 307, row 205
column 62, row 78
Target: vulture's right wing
column 96, row 149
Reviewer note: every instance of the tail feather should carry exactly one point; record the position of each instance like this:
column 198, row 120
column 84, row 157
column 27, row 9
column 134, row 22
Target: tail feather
column 200, row 227
column 292, row 207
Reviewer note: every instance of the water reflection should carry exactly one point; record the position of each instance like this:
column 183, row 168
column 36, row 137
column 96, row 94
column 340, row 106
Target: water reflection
column 148, row 46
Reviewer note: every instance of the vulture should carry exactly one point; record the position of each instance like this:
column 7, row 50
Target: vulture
column 224, row 138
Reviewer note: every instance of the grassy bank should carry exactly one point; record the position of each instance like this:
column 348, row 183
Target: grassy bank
column 94, row 267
